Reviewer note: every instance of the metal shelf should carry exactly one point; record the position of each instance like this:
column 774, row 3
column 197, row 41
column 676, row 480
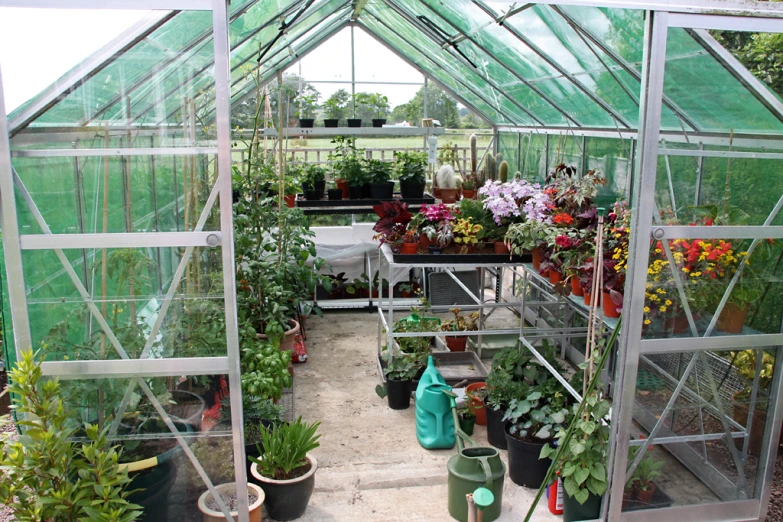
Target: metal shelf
column 295, row 132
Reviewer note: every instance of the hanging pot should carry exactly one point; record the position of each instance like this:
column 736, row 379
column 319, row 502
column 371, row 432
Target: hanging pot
column 524, row 466
column 610, row 309
column 576, row 288
column 555, row 276
column 456, row 343
column 732, row 318
column 477, row 406
column 496, row 432
column 331, row 122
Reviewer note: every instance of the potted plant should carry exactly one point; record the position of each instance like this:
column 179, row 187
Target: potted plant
column 357, row 178
column 399, row 373
column 745, row 362
column 411, row 169
column 645, row 472
column 48, row 476
column 440, row 236
column 334, row 109
column 344, row 148
column 378, row 104
column 467, row 419
column 476, row 394
column 504, row 201
column 286, row 470
column 459, row 323
column 528, row 236
column 502, row 388
column 379, row 174
column 429, row 216
column 260, row 411
column 469, row 185
column 308, row 103
column 228, row 493
column 447, row 183
column 335, row 193
column 393, row 219
column 315, row 177
column 410, row 242
column 467, row 235
column 532, row 421
column 357, row 102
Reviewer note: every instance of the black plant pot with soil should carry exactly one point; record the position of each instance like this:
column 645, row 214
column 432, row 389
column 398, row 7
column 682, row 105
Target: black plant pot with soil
column 355, row 192
column 496, row 433
column 312, row 195
column 378, row 122
column 382, row 190
column 254, row 449
column 399, row 394
column 435, row 250
column 154, row 485
column 287, row 499
column 573, row 511
column 331, row 123
column 335, row 194
column 412, row 190
column 354, row 122
column 306, row 123
column 366, row 191
column 524, row 466
column 320, row 187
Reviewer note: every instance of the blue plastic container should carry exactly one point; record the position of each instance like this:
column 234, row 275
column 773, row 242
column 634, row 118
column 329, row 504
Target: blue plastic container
column 434, row 420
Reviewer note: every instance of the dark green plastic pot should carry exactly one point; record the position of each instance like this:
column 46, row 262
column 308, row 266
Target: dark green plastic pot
column 573, row 511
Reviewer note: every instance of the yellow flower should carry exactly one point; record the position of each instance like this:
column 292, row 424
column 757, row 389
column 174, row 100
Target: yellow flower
column 686, row 269
column 646, row 321
column 662, row 308
column 647, row 309
column 668, row 302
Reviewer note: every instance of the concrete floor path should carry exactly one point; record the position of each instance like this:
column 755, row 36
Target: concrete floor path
column 370, row 465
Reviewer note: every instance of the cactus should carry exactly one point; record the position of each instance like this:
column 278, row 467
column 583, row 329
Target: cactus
column 473, row 153
column 503, row 171
column 446, row 177
column 517, row 175
column 490, row 170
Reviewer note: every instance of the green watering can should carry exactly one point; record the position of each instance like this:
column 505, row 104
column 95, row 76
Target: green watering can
column 473, row 468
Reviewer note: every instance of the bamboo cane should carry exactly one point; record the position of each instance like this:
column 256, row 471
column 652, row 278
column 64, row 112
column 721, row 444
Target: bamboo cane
column 129, row 209
column 104, row 260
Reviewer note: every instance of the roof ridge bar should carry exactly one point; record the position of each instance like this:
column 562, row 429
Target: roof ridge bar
column 248, row 58
column 668, row 102
column 749, row 80
column 151, row 105
column 207, row 33
column 88, row 68
column 410, row 62
column 413, row 21
column 544, row 56
column 510, row 70
column 437, row 66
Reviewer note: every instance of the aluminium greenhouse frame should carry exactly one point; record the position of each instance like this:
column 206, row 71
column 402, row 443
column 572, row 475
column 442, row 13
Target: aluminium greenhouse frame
column 696, row 16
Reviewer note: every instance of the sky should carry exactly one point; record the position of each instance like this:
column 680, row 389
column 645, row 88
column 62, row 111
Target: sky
column 38, row 46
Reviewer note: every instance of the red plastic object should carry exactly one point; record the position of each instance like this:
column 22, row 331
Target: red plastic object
column 299, row 353
column 554, row 494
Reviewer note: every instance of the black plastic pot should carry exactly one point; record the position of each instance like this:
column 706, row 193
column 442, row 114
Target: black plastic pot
column 355, row 192
column 306, row 123
column 524, row 466
column 252, row 450
column 467, row 425
column 412, row 190
column 378, row 122
column 335, row 194
column 331, row 122
column 354, row 122
column 320, row 187
column 154, row 485
column 573, row 511
column 382, row 190
column 312, row 195
column 366, row 191
column 288, row 499
column 306, row 186
column 496, row 432
column 434, row 249
column 399, row 394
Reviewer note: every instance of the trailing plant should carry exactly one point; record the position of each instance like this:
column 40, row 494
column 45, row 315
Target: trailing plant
column 44, row 475
column 284, row 448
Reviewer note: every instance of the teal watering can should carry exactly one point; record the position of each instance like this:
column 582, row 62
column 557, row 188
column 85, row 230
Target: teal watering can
column 472, row 470
column 434, row 421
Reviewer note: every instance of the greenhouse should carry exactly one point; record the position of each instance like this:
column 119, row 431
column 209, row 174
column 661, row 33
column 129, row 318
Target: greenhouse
column 560, row 297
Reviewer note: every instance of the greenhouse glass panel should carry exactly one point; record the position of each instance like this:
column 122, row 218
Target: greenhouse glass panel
column 612, row 158
column 533, row 156
column 508, row 146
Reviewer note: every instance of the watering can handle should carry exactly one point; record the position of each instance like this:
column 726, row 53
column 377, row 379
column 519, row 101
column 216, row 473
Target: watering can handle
column 487, row 472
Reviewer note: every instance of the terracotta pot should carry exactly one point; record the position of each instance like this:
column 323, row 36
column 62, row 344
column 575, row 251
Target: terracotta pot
column 740, row 414
column 288, row 340
column 555, row 276
column 448, row 195
column 537, row 258
column 290, row 200
column 610, row 309
column 409, row 248
column 476, row 406
column 424, row 241
column 456, row 343
column 544, row 273
column 343, row 185
column 436, row 192
column 645, row 496
column 576, row 288
column 501, row 248
column 587, row 297
column 469, row 194
column 732, row 318
column 676, row 325
column 230, row 488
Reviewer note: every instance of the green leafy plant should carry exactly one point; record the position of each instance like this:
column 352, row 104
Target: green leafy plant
column 313, row 174
column 44, row 475
column 524, row 237
column 376, row 103
column 264, row 367
column 646, row 471
column 403, row 367
column 334, row 109
column 460, row 323
column 308, row 103
column 540, row 413
column 411, row 167
column 502, row 389
column 285, row 448
column 378, row 171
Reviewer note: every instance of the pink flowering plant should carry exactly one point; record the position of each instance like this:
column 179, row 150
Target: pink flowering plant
column 431, row 216
column 515, row 201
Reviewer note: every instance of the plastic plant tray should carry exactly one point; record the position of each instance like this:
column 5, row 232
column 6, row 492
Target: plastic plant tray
column 304, row 203
column 659, row 500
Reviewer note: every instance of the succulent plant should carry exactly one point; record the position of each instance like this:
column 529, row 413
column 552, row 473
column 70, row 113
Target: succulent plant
column 503, row 171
